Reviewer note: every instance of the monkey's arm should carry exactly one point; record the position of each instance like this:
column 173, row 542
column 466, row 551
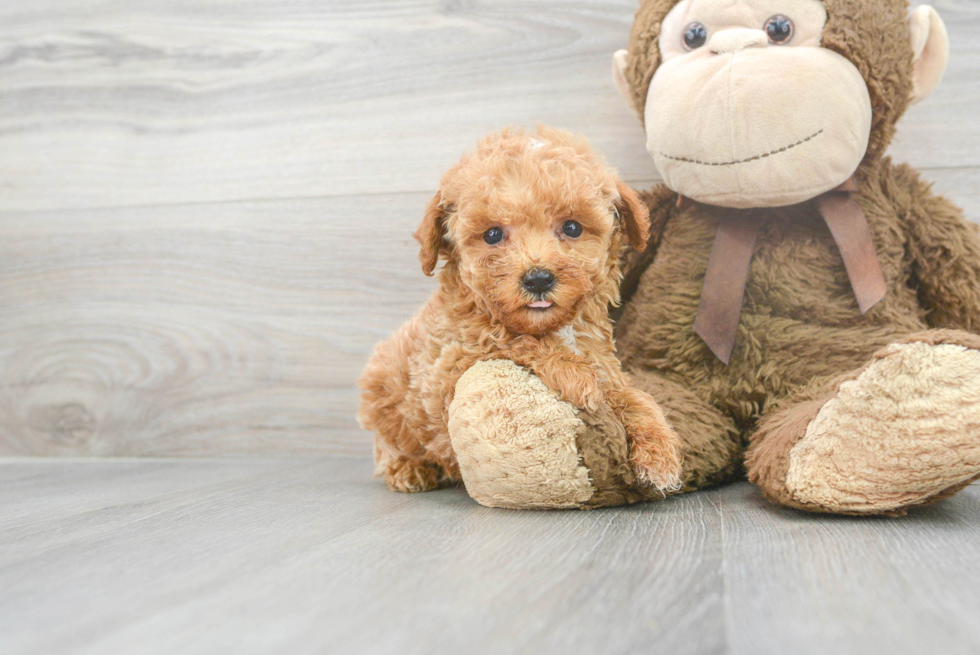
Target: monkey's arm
column 945, row 254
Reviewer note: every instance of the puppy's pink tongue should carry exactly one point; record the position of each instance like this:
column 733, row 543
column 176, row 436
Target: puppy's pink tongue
column 541, row 304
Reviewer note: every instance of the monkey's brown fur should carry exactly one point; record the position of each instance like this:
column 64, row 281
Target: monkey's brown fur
column 529, row 185
column 801, row 332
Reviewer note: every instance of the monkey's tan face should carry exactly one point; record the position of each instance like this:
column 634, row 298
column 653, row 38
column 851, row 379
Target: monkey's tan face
column 748, row 110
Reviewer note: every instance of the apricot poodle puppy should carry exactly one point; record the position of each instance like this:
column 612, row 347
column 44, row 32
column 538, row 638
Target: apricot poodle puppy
column 531, row 228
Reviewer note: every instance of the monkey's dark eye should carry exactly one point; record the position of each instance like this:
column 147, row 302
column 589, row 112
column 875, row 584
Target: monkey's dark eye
column 780, row 29
column 572, row 229
column 493, row 236
column 695, row 36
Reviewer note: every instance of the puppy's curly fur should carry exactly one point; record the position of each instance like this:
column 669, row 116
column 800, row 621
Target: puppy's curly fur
column 560, row 212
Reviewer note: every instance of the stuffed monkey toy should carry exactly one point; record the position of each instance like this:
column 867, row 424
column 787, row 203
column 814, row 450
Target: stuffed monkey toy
column 807, row 312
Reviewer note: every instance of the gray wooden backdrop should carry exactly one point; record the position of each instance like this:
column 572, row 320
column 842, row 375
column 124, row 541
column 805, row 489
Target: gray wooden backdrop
column 206, row 207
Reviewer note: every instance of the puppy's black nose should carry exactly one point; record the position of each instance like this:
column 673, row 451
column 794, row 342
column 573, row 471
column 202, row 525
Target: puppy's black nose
column 538, row 280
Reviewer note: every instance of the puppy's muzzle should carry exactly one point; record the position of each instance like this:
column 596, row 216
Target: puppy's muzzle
column 538, row 281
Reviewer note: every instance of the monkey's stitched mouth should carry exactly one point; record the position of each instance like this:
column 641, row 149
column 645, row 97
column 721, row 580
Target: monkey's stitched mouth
column 743, row 161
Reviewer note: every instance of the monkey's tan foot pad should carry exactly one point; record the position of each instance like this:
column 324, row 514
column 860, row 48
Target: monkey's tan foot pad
column 520, row 446
column 904, row 432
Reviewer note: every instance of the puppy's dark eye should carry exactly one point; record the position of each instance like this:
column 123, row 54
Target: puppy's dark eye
column 780, row 29
column 493, row 236
column 572, row 229
column 695, row 36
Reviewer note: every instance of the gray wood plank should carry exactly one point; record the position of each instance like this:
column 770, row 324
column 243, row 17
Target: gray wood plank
column 320, row 558
column 961, row 185
column 44, row 489
column 314, row 556
column 123, row 102
column 799, row 583
column 200, row 329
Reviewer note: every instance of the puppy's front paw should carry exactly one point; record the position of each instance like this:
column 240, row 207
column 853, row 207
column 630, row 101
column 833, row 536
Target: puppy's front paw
column 655, row 456
column 578, row 385
column 589, row 398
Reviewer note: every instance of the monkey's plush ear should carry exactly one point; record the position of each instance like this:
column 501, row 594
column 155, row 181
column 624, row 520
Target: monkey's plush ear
column 930, row 51
column 431, row 234
column 620, row 60
column 634, row 214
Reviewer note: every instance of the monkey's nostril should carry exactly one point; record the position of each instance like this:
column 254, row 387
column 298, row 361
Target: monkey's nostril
column 538, row 280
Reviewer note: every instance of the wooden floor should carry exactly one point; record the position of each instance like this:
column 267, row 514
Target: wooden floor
column 312, row 556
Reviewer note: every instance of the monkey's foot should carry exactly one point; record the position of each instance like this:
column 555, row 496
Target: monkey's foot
column 520, row 446
column 902, row 432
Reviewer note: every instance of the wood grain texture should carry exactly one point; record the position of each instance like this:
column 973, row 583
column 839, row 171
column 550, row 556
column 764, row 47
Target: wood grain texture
column 206, row 207
column 258, row 556
column 315, row 557
column 201, row 329
column 135, row 102
column 851, row 585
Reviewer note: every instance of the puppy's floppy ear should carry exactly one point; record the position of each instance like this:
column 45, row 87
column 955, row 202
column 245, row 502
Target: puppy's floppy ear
column 431, row 234
column 634, row 215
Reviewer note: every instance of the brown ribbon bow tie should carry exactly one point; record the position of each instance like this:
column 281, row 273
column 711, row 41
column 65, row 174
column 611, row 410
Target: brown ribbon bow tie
column 731, row 256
